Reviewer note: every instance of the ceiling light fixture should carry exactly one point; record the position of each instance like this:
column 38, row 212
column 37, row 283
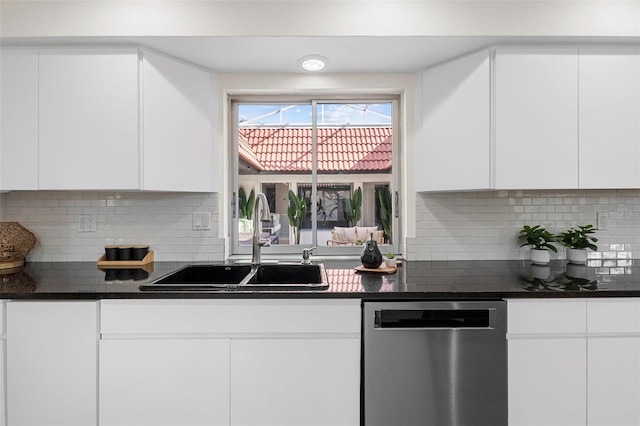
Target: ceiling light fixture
column 312, row 62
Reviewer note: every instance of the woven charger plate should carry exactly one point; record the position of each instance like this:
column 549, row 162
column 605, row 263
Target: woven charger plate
column 16, row 242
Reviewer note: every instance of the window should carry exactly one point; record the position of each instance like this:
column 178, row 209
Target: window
column 327, row 168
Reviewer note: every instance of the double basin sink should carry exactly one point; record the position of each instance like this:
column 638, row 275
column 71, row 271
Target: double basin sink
column 264, row 277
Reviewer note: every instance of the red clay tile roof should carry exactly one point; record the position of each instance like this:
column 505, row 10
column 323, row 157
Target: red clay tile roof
column 246, row 153
column 283, row 149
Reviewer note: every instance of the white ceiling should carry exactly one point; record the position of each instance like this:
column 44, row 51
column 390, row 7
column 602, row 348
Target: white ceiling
column 353, row 54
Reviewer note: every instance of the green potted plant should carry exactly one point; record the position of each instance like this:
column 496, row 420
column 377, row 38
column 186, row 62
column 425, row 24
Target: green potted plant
column 297, row 212
column 384, row 200
column 577, row 240
column 353, row 208
column 540, row 240
column 389, row 260
column 246, row 204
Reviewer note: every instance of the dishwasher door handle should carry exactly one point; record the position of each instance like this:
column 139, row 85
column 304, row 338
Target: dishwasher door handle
column 433, row 319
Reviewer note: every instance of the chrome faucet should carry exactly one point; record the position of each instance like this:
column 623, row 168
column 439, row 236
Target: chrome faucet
column 264, row 215
column 305, row 255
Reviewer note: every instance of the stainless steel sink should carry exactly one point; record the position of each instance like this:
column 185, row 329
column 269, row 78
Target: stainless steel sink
column 267, row 277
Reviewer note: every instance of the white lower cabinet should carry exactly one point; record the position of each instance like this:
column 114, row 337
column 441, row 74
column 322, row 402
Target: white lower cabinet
column 3, row 411
column 613, row 367
column 230, row 362
column 51, row 363
column 547, row 362
column 547, row 381
column 613, row 372
column 295, row 382
column 164, row 382
column 586, row 371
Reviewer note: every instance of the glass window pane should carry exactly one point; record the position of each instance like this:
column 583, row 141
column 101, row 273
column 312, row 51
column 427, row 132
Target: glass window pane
column 274, row 153
column 354, row 143
column 355, row 159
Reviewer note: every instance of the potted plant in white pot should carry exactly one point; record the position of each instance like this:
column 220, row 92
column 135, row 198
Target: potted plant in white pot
column 540, row 241
column 577, row 240
column 389, row 260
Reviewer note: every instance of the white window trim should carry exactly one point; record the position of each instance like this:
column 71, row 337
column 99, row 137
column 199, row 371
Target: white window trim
column 291, row 250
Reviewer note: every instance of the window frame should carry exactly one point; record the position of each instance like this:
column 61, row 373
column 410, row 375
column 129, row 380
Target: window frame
column 242, row 251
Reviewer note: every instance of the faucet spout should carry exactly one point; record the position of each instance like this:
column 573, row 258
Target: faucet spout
column 265, row 214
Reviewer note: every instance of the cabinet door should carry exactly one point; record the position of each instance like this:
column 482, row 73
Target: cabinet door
column 19, row 119
column 454, row 152
column 52, row 363
column 295, row 382
column 613, row 361
column 88, row 105
column 547, row 381
column 536, row 118
column 3, row 411
column 614, row 381
column 177, row 119
column 609, row 118
column 164, row 382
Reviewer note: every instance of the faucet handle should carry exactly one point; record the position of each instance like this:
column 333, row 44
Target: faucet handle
column 264, row 243
column 306, row 252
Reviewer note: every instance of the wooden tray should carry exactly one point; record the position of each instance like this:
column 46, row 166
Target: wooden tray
column 102, row 263
column 380, row 270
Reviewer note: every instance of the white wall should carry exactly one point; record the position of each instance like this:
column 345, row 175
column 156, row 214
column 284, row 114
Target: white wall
column 162, row 220
column 28, row 18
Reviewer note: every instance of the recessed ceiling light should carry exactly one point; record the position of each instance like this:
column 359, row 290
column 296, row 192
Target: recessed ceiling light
column 312, row 62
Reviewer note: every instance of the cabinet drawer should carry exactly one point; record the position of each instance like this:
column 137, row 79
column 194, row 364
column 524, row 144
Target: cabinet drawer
column 546, row 316
column 135, row 317
column 616, row 315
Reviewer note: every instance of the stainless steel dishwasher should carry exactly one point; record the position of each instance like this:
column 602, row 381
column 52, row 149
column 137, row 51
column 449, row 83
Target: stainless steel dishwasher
column 435, row 363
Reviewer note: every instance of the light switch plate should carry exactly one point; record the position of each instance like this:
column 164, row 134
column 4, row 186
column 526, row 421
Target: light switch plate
column 87, row 223
column 201, row 221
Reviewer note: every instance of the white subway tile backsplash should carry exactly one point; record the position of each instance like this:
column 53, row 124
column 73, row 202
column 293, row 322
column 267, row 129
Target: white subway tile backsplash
column 449, row 226
column 162, row 220
column 491, row 221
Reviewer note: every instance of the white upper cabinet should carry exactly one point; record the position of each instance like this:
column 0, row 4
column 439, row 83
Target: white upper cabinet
column 609, row 105
column 536, row 118
column 454, row 152
column 105, row 119
column 178, row 148
column 19, row 119
column 88, row 119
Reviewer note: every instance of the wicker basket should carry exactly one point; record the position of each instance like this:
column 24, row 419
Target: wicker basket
column 16, row 242
column 15, row 280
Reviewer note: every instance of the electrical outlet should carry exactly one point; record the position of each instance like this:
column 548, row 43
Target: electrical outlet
column 87, row 223
column 201, row 221
column 602, row 220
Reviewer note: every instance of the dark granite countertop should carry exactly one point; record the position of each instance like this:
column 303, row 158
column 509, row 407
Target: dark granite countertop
column 414, row 280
